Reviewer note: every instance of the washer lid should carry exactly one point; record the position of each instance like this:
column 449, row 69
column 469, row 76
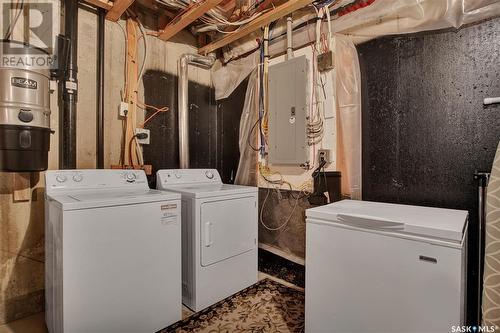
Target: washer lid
column 72, row 200
column 448, row 224
column 212, row 190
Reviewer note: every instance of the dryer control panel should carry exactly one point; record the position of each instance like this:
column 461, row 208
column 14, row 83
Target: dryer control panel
column 170, row 177
column 92, row 179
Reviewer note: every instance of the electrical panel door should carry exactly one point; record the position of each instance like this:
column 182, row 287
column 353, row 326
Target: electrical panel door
column 288, row 90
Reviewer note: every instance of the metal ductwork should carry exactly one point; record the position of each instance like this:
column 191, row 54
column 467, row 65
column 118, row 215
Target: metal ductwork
column 24, row 111
column 185, row 60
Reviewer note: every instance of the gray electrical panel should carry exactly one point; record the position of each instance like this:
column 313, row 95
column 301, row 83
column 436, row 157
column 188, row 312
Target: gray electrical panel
column 288, row 91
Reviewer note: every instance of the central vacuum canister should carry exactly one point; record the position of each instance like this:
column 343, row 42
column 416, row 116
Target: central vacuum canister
column 24, row 109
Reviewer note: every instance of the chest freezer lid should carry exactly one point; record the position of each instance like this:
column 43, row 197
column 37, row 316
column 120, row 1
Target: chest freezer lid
column 429, row 222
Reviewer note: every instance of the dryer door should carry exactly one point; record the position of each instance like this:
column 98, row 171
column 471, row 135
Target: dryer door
column 228, row 228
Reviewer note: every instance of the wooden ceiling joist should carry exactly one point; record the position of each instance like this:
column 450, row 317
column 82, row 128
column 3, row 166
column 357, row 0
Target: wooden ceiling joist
column 119, row 7
column 187, row 17
column 106, row 5
column 287, row 8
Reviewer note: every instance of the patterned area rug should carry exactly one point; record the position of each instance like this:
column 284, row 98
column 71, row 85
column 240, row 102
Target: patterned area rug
column 267, row 306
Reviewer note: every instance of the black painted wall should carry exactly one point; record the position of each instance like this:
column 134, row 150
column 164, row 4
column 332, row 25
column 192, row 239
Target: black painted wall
column 425, row 129
column 213, row 128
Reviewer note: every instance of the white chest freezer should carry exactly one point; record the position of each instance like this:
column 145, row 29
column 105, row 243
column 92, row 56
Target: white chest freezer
column 377, row 267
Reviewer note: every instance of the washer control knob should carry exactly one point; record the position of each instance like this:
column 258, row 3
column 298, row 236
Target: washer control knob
column 130, row 177
column 78, row 177
column 61, row 178
column 209, row 174
column 177, row 175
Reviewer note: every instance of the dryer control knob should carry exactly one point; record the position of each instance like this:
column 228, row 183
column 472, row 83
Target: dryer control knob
column 77, row 178
column 177, row 175
column 209, row 174
column 130, row 177
column 61, row 178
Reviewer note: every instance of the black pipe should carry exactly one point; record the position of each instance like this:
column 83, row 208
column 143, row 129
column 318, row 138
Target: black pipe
column 100, row 90
column 483, row 179
column 68, row 87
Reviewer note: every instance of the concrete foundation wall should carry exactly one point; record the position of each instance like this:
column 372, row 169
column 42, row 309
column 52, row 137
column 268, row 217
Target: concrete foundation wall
column 22, row 221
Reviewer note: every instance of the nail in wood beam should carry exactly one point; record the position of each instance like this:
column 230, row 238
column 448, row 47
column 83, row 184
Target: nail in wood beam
column 187, row 17
column 265, row 19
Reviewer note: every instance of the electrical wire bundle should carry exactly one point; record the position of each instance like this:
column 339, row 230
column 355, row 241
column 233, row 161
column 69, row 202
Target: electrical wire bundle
column 214, row 19
column 276, row 183
column 315, row 123
column 324, row 3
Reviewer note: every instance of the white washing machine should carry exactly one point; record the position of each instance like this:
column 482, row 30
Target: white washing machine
column 219, row 235
column 112, row 251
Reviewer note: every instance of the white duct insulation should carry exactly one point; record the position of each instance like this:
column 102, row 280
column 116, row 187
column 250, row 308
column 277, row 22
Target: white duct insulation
column 383, row 17
column 491, row 278
column 227, row 78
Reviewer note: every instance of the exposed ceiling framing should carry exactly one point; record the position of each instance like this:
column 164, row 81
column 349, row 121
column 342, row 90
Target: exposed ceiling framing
column 173, row 21
column 187, row 17
column 265, row 19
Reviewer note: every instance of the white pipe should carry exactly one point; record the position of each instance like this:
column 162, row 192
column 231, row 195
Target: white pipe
column 289, row 48
column 318, row 30
column 328, row 20
column 491, row 100
column 182, row 94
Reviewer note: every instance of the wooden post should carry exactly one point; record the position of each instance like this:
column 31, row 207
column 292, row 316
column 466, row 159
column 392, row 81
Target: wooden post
column 131, row 93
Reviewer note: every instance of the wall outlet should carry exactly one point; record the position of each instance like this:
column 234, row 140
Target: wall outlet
column 144, row 141
column 324, row 154
column 123, row 109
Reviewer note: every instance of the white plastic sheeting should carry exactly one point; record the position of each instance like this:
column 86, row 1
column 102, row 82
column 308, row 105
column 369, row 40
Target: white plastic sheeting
column 387, row 17
column 247, row 167
column 227, row 78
